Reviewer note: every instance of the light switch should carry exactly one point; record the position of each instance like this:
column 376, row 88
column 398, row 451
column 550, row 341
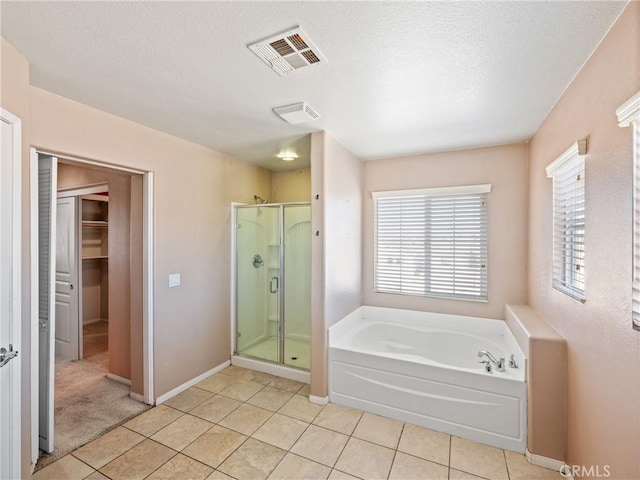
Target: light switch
column 174, row 280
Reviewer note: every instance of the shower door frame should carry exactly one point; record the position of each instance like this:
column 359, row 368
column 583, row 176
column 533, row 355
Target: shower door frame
column 281, row 282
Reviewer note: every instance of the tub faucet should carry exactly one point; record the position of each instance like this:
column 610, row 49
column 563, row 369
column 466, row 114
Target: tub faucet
column 498, row 363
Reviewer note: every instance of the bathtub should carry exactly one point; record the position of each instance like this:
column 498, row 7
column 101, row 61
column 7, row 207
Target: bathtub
column 423, row 368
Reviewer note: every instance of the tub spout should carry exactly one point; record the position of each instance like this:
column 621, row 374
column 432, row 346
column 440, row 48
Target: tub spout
column 499, row 363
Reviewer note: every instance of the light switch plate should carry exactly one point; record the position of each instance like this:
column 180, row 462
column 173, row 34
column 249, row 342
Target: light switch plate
column 174, row 280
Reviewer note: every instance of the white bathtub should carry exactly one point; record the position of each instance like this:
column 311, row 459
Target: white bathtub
column 423, row 368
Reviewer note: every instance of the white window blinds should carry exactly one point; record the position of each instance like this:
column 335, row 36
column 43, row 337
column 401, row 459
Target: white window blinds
column 569, row 221
column 629, row 114
column 432, row 242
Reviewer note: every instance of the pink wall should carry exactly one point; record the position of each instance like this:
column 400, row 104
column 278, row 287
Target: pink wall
column 193, row 190
column 336, row 289
column 603, row 408
column 505, row 168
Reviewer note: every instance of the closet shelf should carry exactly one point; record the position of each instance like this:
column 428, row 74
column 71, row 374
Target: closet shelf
column 97, row 257
column 95, row 223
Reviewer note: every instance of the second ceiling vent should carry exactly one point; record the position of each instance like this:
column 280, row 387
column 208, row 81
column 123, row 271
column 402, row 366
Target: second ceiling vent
column 288, row 51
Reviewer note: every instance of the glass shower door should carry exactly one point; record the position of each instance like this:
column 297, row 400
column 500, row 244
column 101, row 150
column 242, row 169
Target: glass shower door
column 297, row 287
column 259, row 282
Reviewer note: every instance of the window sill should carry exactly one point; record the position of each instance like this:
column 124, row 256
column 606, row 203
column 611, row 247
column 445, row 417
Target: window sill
column 573, row 293
column 442, row 297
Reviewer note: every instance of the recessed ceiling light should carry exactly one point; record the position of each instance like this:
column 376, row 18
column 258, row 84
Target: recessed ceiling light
column 287, row 156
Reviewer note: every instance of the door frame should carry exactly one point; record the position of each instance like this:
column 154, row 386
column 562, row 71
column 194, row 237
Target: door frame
column 148, row 265
column 15, row 431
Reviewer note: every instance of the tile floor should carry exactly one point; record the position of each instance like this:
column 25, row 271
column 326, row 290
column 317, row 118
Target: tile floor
column 241, row 424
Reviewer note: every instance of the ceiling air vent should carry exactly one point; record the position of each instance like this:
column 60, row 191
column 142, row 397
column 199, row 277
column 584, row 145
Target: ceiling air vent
column 297, row 113
column 288, row 51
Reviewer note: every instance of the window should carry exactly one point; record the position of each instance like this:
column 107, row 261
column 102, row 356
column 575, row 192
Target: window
column 432, row 242
column 567, row 172
column 629, row 114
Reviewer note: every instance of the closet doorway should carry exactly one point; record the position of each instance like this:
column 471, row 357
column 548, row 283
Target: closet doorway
column 94, row 368
column 82, row 273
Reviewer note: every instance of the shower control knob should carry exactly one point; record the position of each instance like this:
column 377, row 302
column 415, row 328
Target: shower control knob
column 257, row 261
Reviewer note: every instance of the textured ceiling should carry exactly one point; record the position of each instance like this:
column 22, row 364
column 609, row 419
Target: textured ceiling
column 401, row 78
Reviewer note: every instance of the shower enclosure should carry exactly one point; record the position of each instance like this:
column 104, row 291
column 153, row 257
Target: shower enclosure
column 272, row 283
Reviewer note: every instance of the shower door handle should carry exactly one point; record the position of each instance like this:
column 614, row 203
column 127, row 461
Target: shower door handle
column 271, row 289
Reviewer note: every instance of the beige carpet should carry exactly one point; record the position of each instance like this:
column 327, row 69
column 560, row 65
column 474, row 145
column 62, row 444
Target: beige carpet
column 87, row 404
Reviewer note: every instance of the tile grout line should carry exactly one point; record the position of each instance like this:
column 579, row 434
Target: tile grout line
column 236, row 408
column 218, row 424
column 250, row 436
column 450, row 447
column 117, row 456
column 506, row 464
column 348, row 439
column 395, row 452
column 145, row 438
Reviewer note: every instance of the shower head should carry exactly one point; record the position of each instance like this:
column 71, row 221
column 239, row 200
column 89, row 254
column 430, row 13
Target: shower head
column 260, row 200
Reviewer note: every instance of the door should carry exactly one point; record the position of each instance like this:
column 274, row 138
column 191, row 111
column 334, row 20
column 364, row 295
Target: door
column 66, row 309
column 258, row 282
column 10, row 361
column 297, row 295
column 47, row 185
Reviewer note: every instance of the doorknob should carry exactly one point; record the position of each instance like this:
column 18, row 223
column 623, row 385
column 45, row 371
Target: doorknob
column 6, row 356
column 71, row 286
column 43, row 325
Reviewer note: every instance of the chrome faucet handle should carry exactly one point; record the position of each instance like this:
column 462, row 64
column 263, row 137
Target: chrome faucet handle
column 487, row 366
column 500, row 365
column 513, row 363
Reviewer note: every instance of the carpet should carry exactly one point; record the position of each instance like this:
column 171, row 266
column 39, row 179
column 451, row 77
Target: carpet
column 87, row 404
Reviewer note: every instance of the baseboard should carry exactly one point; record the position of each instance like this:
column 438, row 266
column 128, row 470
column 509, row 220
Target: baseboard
column 546, row 462
column 181, row 388
column 136, row 396
column 117, row 378
column 318, row 400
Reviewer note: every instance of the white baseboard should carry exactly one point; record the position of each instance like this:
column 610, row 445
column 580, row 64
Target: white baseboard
column 272, row 368
column 181, row 388
column 117, row 378
column 546, row 462
column 318, row 400
column 137, row 397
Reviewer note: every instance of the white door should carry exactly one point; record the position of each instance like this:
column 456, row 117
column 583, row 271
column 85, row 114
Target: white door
column 66, row 332
column 10, row 320
column 47, row 185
